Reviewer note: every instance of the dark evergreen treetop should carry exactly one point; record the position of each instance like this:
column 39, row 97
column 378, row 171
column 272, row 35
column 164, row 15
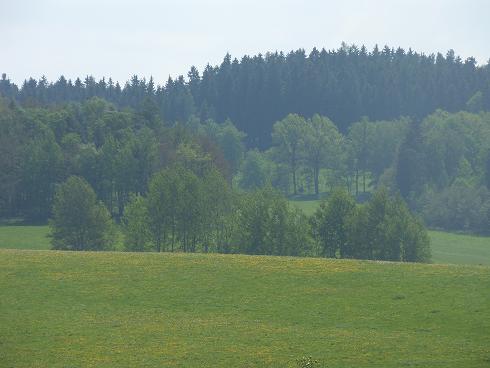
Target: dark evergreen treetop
column 256, row 91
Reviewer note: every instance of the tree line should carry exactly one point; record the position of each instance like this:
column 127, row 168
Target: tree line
column 440, row 165
column 254, row 92
column 186, row 212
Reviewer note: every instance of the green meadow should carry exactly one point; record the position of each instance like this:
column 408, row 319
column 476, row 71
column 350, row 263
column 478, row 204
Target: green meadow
column 459, row 248
column 24, row 237
column 115, row 309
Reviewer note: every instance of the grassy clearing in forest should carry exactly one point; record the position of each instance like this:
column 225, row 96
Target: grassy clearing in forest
column 110, row 309
column 24, row 237
column 459, row 248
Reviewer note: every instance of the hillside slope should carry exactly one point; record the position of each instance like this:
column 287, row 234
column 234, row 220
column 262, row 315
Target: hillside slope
column 62, row 309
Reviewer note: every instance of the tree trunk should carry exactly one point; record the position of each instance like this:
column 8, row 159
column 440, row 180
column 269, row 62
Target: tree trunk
column 316, row 173
column 357, row 182
column 294, row 182
column 364, row 181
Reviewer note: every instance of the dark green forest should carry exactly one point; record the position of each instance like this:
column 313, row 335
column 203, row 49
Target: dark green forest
column 392, row 139
column 256, row 91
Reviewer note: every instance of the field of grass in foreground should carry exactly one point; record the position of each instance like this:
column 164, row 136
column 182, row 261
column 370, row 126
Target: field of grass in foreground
column 67, row 309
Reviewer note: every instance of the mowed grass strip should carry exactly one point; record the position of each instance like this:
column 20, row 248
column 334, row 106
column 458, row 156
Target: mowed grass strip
column 67, row 309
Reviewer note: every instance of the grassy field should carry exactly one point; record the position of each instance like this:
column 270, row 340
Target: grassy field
column 66, row 309
column 24, row 237
column 33, row 237
column 459, row 248
column 308, row 207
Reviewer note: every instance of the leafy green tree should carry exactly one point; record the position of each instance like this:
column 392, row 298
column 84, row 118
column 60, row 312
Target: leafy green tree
column 411, row 162
column 190, row 211
column 372, row 147
column 216, row 201
column 179, row 209
column 229, row 139
column 80, row 222
column 330, row 224
column 358, row 150
column 288, row 135
column 475, row 103
column 384, row 229
column 254, row 171
column 322, row 143
column 13, row 139
column 162, row 202
column 136, row 225
column 487, row 171
column 463, row 206
column 42, row 169
column 267, row 225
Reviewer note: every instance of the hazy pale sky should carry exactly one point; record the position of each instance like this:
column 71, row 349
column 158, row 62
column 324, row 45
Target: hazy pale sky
column 119, row 38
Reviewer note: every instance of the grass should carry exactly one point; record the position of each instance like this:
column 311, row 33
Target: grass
column 308, row 207
column 34, row 237
column 66, row 309
column 24, row 237
column 459, row 248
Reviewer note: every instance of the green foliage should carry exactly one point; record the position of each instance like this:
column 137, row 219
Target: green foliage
column 228, row 138
column 382, row 229
column 42, row 167
column 463, row 206
column 330, row 223
column 265, row 224
column 487, row 171
column 79, row 221
column 135, row 224
column 118, row 141
column 372, row 146
column 475, row 103
column 256, row 91
column 322, row 146
column 411, row 162
column 288, row 136
column 186, row 210
column 254, row 171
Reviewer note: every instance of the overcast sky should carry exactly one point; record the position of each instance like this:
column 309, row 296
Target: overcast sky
column 119, row 38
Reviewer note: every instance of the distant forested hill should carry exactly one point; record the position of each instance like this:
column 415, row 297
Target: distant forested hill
column 254, row 92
